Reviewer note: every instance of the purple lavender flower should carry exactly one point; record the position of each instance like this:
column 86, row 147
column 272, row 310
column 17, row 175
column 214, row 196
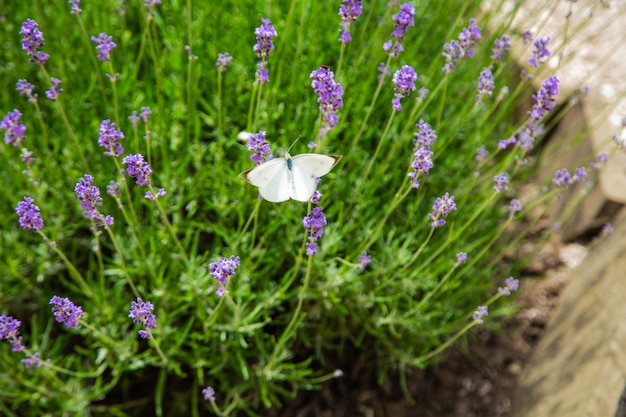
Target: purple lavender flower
column 480, row 312
column 486, row 85
column 160, row 193
column 501, row 182
column 544, row 99
column 500, row 47
column 461, row 258
column 425, row 136
column 314, row 223
column 527, row 36
column 149, row 4
column 208, row 394
column 512, row 285
column 113, row 189
column 222, row 270
column 403, row 19
column 140, row 312
column 138, row 168
column 34, row 361
column 601, row 159
column 462, row 48
column 110, row 138
column 515, row 206
column 607, row 229
column 89, row 196
column 263, row 47
column 504, row 143
column 364, row 259
column 223, row 61
column 540, row 52
column 26, row 89
column 27, row 157
column 329, row 96
column 404, row 82
column 258, row 144
column 562, row 178
column 104, row 46
column 442, row 207
column 422, row 164
column 28, row 214
column 481, row 153
column 384, row 71
column 55, row 90
column 66, row 312
column 580, row 174
column 32, row 42
column 134, row 119
column 349, row 12
column 145, row 114
column 10, row 331
column 75, row 4
column 15, row 129
column 316, row 197
column 421, row 94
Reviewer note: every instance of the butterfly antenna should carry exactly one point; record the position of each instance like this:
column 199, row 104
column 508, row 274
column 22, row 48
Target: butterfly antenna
column 294, row 142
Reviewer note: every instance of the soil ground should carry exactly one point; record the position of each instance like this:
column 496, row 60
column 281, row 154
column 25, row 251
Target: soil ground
column 479, row 381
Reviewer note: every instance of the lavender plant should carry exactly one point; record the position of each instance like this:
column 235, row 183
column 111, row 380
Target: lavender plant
column 207, row 298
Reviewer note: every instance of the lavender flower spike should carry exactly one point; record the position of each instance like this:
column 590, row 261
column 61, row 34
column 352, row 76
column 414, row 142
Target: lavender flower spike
column 110, row 138
column 403, row 19
column 258, row 144
column 480, row 312
column 404, row 82
column 55, row 90
column 138, row 168
column 10, row 330
column 223, row 60
column 66, row 312
column 462, row 48
column 28, row 214
column 222, row 270
column 442, row 207
column 264, row 46
column 314, row 223
column 141, row 313
column 104, row 46
column 15, row 129
column 32, row 42
column 329, row 96
column 349, row 12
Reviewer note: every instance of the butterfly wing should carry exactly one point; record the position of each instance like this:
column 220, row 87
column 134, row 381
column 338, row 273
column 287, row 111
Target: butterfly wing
column 315, row 163
column 272, row 178
column 306, row 168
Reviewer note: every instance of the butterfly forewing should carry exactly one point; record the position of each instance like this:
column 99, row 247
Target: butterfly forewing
column 315, row 163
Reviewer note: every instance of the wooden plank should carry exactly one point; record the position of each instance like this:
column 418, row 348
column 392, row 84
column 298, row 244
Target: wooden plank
column 579, row 366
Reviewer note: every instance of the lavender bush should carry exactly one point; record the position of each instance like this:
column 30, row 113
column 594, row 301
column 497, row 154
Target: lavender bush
column 179, row 291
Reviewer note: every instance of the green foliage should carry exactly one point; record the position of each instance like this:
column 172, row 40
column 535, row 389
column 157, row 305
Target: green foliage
column 284, row 311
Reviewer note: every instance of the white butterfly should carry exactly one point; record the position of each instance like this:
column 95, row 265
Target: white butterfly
column 290, row 177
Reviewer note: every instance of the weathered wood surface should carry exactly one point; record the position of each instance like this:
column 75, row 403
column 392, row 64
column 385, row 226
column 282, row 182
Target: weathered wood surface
column 579, row 366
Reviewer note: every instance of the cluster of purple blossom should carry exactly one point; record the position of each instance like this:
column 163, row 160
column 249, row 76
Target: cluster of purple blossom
column 33, row 41
column 263, row 47
column 27, row 89
column 89, row 196
column 15, row 129
column 442, row 207
column 425, row 137
column 55, row 90
column 486, row 85
column 544, row 103
column 141, row 313
column 404, row 83
column 223, row 61
column 329, row 96
column 10, row 331
column 461, row 258
column 109, row 139
column 464, row 47
column 511, row 285
column 314, row 223
column 104, row 46
column 222, row 270
column 349, row 12
column 258, row 144
column 403, row 19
